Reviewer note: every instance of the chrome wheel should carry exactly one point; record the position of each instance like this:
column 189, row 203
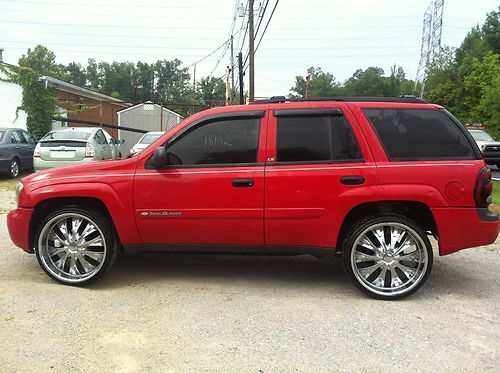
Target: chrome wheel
column 389, row 259
column 14, row 168
column 72, row 247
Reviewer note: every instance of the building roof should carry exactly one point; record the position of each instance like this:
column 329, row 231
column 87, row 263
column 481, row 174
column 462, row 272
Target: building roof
column 80, row 91
column 149, row 103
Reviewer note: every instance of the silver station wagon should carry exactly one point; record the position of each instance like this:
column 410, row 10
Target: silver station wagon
column 73, row 145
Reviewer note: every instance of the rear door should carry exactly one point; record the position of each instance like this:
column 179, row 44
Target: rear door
column 318, row 167
column 23, row 148
column 29, row 148
column 104, row 148
column 212, row 192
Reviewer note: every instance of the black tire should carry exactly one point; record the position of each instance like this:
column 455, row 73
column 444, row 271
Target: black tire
column 95, row 248
column 14, row 168
column 410, row 266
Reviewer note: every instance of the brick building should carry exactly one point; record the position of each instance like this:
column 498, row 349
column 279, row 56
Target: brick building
column 81, row 103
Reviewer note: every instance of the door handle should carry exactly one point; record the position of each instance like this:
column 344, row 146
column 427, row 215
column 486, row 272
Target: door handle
column 243, row 183
column 352, row 180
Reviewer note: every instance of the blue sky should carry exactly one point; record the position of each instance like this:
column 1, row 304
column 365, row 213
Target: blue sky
column 338, row 36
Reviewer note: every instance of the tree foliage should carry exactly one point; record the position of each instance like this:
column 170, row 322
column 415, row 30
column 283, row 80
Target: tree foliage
column 467, row 80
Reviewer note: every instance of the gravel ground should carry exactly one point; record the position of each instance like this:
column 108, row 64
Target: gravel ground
column 250, row 314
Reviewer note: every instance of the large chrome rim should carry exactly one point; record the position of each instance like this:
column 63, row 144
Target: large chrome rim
column 389, row 258
column 72, row 247
column 14, row 168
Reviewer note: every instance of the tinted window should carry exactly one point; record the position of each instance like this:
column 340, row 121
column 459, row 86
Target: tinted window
column 413, row 134
column 68, row 134
column 219, row 142
column 316, row 138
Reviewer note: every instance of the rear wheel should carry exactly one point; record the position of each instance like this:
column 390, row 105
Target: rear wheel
column 75, row 245
column 387, row 256
column 14, row 168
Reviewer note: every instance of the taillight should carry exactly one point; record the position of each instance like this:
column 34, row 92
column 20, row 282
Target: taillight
column 89, row 151
column 36, row 153
column 483, row 188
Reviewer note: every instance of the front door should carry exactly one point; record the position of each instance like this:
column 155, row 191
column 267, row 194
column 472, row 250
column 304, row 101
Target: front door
column 212, row 190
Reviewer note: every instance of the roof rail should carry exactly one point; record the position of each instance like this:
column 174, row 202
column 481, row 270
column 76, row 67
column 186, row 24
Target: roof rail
column 403, row 99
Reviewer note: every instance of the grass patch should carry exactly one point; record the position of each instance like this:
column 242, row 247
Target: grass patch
column 496, row 192
column 8, row 184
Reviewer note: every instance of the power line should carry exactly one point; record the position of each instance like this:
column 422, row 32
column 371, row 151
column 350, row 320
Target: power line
column 103, row 25
column 120, row 4
column 267, row 25
column 263, row 33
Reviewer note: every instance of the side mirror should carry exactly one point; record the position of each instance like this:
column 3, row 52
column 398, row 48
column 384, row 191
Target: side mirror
column 159, row 158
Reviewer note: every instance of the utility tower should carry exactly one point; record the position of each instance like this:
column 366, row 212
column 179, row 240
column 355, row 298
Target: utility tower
column 431, row 40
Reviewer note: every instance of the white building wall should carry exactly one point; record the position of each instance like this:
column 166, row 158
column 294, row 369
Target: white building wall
column 10, row 99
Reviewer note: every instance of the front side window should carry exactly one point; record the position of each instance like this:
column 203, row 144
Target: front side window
column 224, row 141
column 419, row 134
column 315, row 139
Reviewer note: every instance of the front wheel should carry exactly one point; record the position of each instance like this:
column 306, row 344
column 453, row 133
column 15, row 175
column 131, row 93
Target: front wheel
column 14, row 168
column 387, row 256
column 75, row 245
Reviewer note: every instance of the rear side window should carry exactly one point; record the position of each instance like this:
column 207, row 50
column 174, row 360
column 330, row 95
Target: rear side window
column 419, row 134
column 228, row 141
column 315, row 139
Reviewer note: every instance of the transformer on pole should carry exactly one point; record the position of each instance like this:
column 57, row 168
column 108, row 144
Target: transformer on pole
column 431, row 41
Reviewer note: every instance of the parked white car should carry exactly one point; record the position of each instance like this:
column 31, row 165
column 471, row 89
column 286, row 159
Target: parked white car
column 73, row 145
column 146, row 140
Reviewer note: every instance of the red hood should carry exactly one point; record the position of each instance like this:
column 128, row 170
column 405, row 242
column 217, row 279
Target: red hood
column 87, row 172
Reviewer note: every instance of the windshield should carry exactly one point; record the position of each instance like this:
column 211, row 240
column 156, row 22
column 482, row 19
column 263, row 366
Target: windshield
column 481, row 136
column 149, row 138
column 2, row 133
column 67, row 135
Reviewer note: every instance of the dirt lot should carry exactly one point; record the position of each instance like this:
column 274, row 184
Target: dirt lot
column 252, row 314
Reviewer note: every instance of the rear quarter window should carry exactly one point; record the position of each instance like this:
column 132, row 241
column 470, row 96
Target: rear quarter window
column 419, row 134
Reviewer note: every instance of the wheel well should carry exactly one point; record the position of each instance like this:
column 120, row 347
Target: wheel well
column 416, row 211
column 48, row 206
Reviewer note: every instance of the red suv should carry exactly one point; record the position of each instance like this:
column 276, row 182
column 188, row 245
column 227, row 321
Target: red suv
column 371, row 179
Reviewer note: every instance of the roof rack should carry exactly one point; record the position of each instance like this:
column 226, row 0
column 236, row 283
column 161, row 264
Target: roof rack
column 282, row 99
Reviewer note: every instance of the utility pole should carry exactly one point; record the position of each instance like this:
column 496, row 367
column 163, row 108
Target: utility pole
column 232, row 72
column 194, row 78
column 308, row 84
column 251, row 67
column 228, row 87
column 241, row 74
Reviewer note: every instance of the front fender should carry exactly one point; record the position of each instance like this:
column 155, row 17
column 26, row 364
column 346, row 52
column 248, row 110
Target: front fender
column 116, row 198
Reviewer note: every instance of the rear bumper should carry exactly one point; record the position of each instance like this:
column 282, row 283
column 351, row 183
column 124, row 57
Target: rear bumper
column 18, row 223
column 41, row 165
column 461, row 228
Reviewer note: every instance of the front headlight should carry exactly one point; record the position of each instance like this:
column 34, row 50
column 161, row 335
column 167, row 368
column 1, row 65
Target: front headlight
column 19, row 188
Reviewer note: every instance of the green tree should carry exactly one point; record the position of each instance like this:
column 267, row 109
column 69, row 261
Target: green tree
column 42, row 61
column 480, row 87
column 491, row 31
column 93, row 74
column 322, row 84
column 76, row 74
column 212, row 91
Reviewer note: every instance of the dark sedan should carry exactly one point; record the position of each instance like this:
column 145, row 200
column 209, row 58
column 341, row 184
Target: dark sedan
column 16, row 151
